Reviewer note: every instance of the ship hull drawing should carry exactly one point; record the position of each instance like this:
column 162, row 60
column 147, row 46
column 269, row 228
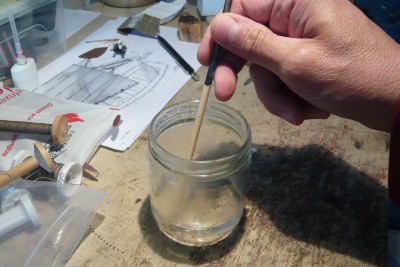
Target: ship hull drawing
column 119, row 84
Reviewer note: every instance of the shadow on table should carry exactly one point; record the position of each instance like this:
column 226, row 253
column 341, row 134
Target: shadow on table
column 308, row 194
column 173, row 251
column 311, row 195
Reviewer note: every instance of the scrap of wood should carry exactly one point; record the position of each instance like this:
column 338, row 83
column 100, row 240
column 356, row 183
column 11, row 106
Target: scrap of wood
column 190, row 28
column 94, row 53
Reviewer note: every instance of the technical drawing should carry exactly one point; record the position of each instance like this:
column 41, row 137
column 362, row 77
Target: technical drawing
column 117, row 83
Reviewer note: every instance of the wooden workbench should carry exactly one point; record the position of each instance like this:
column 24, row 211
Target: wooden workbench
column 318, row 194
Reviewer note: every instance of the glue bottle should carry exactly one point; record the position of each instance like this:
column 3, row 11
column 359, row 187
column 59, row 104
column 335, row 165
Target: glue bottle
column 24, row 72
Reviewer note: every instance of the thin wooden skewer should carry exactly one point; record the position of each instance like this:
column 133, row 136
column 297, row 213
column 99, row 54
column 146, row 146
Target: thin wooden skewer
column 206, row 92
column 103, row 40
column 58, row 130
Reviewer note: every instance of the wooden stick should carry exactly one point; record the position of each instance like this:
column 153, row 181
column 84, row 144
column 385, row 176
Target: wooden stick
column 199, row 119
column 58, row 130
column 203, row 101
column 206, row 92
column 41, row 159
column 103, row 40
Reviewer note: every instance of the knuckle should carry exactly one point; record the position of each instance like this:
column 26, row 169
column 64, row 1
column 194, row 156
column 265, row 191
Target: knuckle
column 302, row 62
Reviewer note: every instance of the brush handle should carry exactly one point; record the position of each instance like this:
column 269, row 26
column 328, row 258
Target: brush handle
column 179, row 59
column 227, row 6
column 213, row 65
column 215, row 52
column 198, row 120
column 206, row 91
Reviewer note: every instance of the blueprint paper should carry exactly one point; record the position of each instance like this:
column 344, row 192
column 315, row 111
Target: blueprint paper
column 141, row 83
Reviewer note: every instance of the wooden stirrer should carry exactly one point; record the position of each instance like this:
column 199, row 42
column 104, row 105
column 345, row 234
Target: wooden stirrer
column 206, row 91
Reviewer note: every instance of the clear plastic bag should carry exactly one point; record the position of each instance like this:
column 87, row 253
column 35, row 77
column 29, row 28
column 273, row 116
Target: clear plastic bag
column 64, row 213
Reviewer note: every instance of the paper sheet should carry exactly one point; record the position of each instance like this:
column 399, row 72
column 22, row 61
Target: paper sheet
column 76, row 20
column 141, row 82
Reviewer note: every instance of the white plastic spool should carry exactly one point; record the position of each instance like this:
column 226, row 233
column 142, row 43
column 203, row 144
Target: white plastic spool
column 70, row 173
column 19, row 215
column 12, row 198
column 21, row 156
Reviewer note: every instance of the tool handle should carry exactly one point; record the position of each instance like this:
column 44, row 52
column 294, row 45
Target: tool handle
column 58, row 130
column 103, row 40
column 24, row 168
column 4, row 179
column 25, row 127
column 198, row 120
column 206, row 91
column 213, row 65
column 179, row 59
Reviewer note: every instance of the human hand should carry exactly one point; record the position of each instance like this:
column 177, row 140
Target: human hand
column 314, row 58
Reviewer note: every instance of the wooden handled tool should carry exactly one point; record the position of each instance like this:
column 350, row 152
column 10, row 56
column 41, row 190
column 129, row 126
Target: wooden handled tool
column 206, row 92
column 58, row 130
column 40, row 159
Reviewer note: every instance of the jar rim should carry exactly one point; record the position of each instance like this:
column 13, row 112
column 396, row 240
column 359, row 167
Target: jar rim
column 200, row 167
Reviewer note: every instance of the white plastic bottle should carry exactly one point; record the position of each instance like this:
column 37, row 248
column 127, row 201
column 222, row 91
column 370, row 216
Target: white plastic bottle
column 24, row 74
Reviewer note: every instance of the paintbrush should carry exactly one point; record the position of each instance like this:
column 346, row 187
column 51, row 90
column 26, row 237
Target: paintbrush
column 150, row 25
column 184, row 195
column 206, row 91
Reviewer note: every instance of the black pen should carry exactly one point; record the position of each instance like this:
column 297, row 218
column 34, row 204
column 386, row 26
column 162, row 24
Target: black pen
column 181, row 62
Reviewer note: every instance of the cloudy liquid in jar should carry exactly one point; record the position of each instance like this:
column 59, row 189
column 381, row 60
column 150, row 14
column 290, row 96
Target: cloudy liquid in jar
column 202, row 210
column 214, row 141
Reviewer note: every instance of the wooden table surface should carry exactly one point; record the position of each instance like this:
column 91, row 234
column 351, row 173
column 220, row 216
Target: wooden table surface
column 317, row 198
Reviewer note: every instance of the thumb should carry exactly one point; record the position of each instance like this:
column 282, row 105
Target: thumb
column 251, row 40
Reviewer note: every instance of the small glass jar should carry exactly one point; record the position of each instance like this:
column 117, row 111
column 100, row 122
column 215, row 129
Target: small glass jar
column 198, row 202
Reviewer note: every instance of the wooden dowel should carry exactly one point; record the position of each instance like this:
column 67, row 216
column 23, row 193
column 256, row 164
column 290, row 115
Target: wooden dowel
column 27, row 166
column 198, row 120
column 41, row 159
column 206, row 91
column 103, row 40
column 25, row 127
column 58, row 130
column 5, row 179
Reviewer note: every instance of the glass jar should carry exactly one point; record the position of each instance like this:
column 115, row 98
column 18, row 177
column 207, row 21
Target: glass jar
column 198, row 202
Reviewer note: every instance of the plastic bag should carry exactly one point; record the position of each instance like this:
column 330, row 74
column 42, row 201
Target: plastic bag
column 62, row 219
column 88, row 124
